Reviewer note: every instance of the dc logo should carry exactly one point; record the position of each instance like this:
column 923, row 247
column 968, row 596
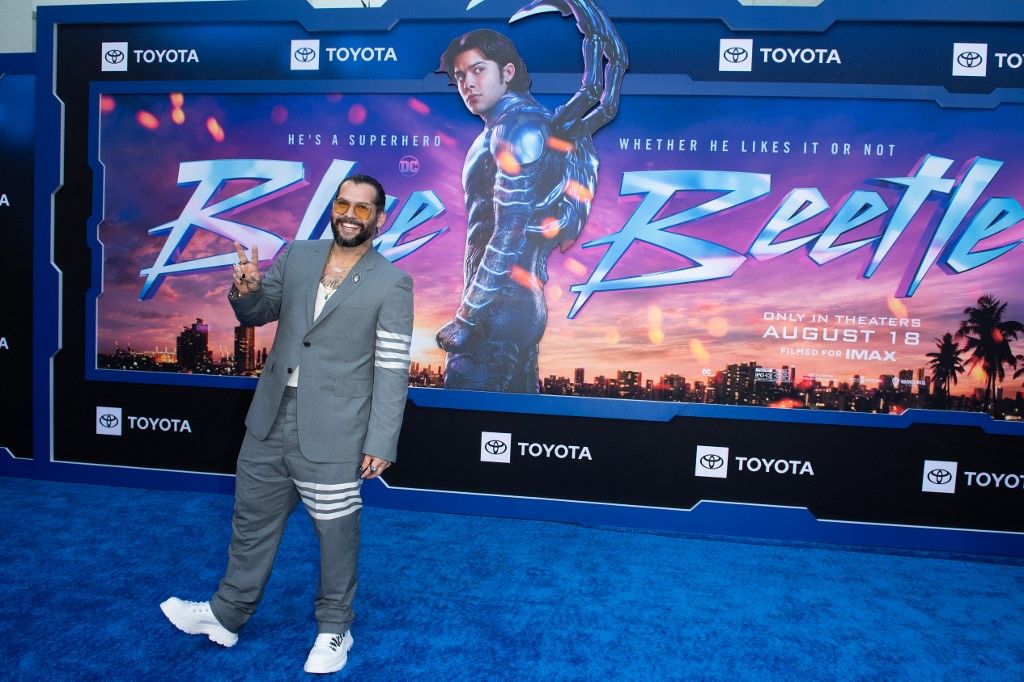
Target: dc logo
column 305, row 54
column 940, row 476
column 735, row 55
column 408, row 166
column 113, row 56
column 711, row 462
column 969, row 59
column 495, row 447
column 109, row 421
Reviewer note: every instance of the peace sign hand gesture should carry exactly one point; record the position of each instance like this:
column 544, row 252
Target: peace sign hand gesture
column 246, row 274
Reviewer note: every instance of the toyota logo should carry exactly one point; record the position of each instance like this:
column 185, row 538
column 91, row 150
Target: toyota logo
column 969, row 59
column 114, row 56
column 939, row 476
column 712, row 461
column 305, row 54
column 108, row 421
column 495, row 447
column 735, row 55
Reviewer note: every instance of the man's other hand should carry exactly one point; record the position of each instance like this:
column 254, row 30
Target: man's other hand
column 372, row 467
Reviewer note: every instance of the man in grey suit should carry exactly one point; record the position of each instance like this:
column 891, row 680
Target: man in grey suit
column 344, row 317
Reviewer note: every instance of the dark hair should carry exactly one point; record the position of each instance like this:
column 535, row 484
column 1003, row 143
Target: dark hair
column 492, row 45
column 367, row 180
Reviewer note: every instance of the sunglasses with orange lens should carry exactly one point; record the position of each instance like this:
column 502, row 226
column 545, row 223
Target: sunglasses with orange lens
column 361, row 211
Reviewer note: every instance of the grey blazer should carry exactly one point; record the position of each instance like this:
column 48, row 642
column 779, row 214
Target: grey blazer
column 354, row 357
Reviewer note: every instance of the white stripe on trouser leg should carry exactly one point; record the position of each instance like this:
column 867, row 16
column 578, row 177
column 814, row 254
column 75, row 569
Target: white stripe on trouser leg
column 323, row 486
column 336, row 501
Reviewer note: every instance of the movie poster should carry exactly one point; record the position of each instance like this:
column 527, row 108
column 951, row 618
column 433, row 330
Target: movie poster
column 850, row 255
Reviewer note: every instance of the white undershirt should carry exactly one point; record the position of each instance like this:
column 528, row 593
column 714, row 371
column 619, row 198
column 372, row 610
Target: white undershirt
column 322, row 294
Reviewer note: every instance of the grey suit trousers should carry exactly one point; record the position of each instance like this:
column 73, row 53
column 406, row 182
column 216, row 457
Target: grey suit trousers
column 272, row 476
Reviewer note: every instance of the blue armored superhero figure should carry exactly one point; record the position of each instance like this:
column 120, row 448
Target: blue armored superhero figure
column 529, row 179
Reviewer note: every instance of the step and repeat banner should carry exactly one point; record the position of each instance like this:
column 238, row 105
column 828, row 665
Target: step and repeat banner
column 17, row 150
column 664, row 256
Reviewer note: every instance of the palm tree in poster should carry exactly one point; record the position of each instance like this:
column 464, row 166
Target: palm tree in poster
column 988, row 338
column 946, row 364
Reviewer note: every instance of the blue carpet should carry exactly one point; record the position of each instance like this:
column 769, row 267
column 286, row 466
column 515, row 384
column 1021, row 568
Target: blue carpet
column 457, row 597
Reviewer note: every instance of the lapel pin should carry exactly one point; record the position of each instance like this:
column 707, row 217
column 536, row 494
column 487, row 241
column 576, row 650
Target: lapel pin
column 355, row 278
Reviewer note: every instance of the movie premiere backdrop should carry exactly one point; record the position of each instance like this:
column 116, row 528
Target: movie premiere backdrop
column 712, row 267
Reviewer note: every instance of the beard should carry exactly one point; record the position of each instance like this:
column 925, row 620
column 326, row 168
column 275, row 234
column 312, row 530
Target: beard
column 365, row 232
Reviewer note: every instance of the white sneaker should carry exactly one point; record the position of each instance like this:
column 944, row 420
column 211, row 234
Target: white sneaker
column 196, row 618
column 329, row 653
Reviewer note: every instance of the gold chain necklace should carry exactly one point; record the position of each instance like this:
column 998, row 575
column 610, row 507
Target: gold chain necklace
column 336, row 274
column 333, row 279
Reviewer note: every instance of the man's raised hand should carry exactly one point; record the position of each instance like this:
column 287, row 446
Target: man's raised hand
column 246, row 273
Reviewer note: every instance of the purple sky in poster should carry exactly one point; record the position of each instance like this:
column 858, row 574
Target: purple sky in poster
column 687, row 329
